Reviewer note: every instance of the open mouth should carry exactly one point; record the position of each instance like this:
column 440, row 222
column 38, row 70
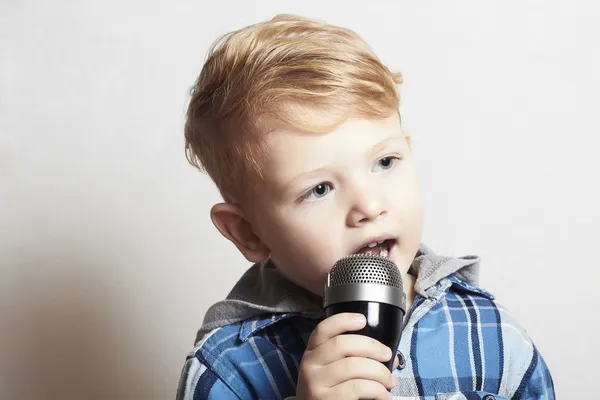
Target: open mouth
column 381, row 248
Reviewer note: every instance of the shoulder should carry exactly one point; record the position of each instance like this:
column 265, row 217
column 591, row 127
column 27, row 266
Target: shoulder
column 490, row 328
column 471, row 299
column 202, row 380
column 258, row 357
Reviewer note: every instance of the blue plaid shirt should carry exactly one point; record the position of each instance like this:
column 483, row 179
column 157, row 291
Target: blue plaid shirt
column 457, row 344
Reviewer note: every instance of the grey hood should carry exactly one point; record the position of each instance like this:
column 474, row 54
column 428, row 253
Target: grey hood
column 263, row 290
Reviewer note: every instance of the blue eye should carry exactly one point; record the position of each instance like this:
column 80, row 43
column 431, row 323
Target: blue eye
column 387, row 162
column 319, row 191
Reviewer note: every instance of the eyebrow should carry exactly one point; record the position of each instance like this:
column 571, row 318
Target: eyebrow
column 317, row 171
column 383, row 144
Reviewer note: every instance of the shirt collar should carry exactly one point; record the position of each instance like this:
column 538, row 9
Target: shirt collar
column 253, row 325
column 469, row 287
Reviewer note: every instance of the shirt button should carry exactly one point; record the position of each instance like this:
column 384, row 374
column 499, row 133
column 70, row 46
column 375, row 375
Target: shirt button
column 489, row 397
column 402, row 361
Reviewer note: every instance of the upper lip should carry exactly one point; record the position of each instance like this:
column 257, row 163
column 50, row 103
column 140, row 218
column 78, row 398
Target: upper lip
column 373, row 239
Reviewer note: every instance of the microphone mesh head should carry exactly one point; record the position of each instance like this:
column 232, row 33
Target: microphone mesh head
column 365, row 268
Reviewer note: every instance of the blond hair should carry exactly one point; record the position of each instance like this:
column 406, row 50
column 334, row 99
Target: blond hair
column 275, row 71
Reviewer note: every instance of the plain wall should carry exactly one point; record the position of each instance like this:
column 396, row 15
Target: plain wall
column 108, row 258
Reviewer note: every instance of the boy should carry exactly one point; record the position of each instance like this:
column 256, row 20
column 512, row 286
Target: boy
column 297, row 123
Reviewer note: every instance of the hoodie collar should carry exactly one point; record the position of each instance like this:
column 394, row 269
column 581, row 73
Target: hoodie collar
column 429, row 268
column 264, row 290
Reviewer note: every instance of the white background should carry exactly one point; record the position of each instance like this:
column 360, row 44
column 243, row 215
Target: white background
column 108, row 259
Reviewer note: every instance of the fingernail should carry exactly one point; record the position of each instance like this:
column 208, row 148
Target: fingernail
column 359, row 319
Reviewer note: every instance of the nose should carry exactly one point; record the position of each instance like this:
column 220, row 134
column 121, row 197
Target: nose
column 367, row 207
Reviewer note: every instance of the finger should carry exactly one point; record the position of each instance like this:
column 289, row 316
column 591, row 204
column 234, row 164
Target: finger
column 333, row 326
column 350, row 346
column 396, row 361
column 351, row 368
column 361, row 389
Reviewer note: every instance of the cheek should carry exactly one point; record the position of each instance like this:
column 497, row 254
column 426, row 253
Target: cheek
column 303, row 254
column 307, row 240
column 411, row 215
column 408, row 205
column 276, row 229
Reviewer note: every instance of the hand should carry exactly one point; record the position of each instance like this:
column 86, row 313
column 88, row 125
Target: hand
column 349, row 366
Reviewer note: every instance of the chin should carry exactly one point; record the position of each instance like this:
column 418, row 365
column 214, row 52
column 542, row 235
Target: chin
column 403, row 256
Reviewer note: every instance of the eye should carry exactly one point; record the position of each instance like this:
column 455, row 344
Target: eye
column 386, row 163
column 319, row 191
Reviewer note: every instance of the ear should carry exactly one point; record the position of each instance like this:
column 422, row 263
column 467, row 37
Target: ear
column 230, row 220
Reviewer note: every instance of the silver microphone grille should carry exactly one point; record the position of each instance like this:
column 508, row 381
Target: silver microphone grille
column 364, row 277
column 365, row 268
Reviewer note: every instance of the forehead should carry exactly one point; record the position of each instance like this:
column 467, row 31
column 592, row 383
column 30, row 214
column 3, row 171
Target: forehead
column 290, row 151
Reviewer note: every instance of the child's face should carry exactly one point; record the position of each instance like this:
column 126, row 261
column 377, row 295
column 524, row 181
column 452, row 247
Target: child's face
column 327, row 195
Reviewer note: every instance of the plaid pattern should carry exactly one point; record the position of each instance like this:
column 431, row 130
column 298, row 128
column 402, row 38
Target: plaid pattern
column 457, row 344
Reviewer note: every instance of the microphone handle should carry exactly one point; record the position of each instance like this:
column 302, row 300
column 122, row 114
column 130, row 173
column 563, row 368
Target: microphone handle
column 384, row 322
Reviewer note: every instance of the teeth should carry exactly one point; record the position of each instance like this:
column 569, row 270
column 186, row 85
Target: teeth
column 383, row 253
column 372, row 244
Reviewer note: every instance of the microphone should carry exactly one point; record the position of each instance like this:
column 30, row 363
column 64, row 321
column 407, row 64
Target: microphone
column 370, row 285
